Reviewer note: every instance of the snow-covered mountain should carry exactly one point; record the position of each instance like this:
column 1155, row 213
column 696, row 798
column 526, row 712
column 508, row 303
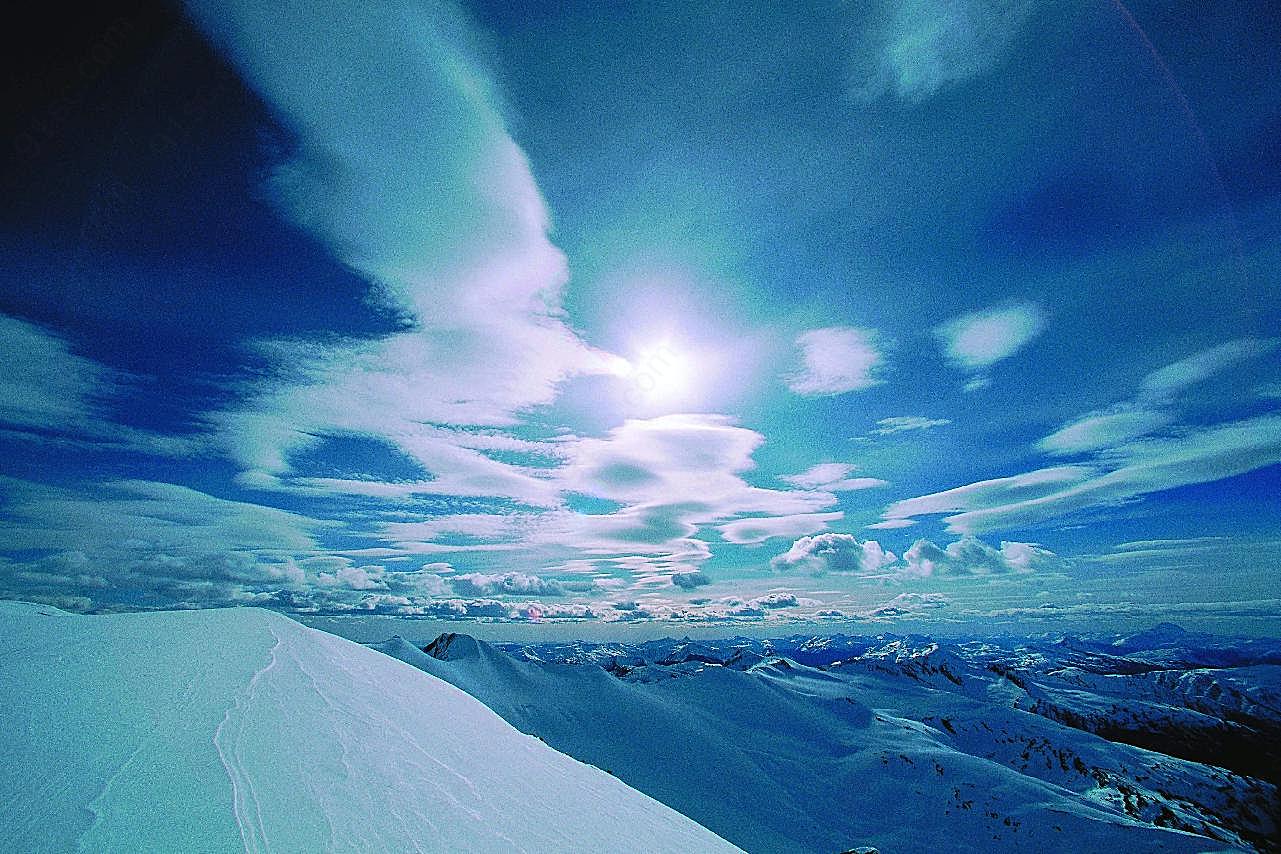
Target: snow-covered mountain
column 241, row 730
column 905, row 743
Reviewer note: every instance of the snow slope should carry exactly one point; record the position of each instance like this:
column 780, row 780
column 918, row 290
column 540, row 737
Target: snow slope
column 781, row 757
column 241, row 730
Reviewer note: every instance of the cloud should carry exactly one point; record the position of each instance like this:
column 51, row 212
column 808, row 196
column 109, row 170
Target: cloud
column 410, row 177
column 46, row 388
column 832, row 477
column 905, row 423
column 145, row 515
column 690, row 579
column 43, row 384
column 762, row 528
column 352, row 578
column 976, row 341
column 891, row 524
column 509, row 583
column 1130, row 610
column 152, row 543
column 970, row 556
column 912, row 49
column 774, row 600
column 1125, row 472
column 833, row 552
column 1103, row 430
column 1146, row 413
column 1166, row 382
column 669, row 475
column 537, row 612
column 909, row 604
column 988, row 493
column 837, row 359
column 336, row 573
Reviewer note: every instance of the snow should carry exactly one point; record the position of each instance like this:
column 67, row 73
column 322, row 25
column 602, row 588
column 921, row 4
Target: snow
column 241, row 730
column 916, row 749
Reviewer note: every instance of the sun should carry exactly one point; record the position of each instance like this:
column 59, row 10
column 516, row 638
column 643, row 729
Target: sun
column 661, row 373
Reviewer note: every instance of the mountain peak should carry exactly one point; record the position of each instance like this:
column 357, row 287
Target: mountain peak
column 454, row 646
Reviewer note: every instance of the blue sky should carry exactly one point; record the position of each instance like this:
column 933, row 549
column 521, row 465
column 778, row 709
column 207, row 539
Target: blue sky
column 696, row 312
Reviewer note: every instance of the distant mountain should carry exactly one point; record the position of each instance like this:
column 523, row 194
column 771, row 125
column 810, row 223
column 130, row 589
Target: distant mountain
column 241, row 730
column 904, row 743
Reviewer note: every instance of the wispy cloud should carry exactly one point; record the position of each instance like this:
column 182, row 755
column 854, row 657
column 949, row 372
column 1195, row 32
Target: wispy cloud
column 914, row 48
column 45, row 385
column 832, row 477
column 1167, row 382
column 1103, row 430
column 976, row 341
column 837, row 359
column 159, row 543
column 990, row 493
column 476, row 277
column 1151, row 410
column 761, row 528
column 1128, row 471
column 47, row 389
column 907, row 423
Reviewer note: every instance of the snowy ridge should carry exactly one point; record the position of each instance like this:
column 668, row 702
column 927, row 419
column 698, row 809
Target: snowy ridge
column 241, row 730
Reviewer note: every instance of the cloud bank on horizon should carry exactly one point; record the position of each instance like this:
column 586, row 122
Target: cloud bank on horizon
column 469, row 313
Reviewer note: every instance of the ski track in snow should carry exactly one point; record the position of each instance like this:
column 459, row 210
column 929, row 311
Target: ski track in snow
column 422, row 770
column 251, row 832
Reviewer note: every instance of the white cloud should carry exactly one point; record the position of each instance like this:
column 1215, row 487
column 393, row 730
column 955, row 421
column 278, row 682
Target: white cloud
column 834, row 552
column 671, row 475
column 970, row 556
column 43, row 384
column 832, row 477
column 837, row 359
column 166, row 544
column 912, row 49
column 891, row 524
column 772, row 601
column 510, row 583
column 344, row 576
column 537, row 612
column 1168, row 381
column 1193, row 455
column 1146, row 414
column 761, row 528
column 910, row 604
column 353, row 578
column 905, row 423
column 1103, row 430
column 815, row 476
column 989, row 493
column 976, row 341
column 410, row 177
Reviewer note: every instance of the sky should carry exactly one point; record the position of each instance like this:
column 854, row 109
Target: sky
column 721, row 314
